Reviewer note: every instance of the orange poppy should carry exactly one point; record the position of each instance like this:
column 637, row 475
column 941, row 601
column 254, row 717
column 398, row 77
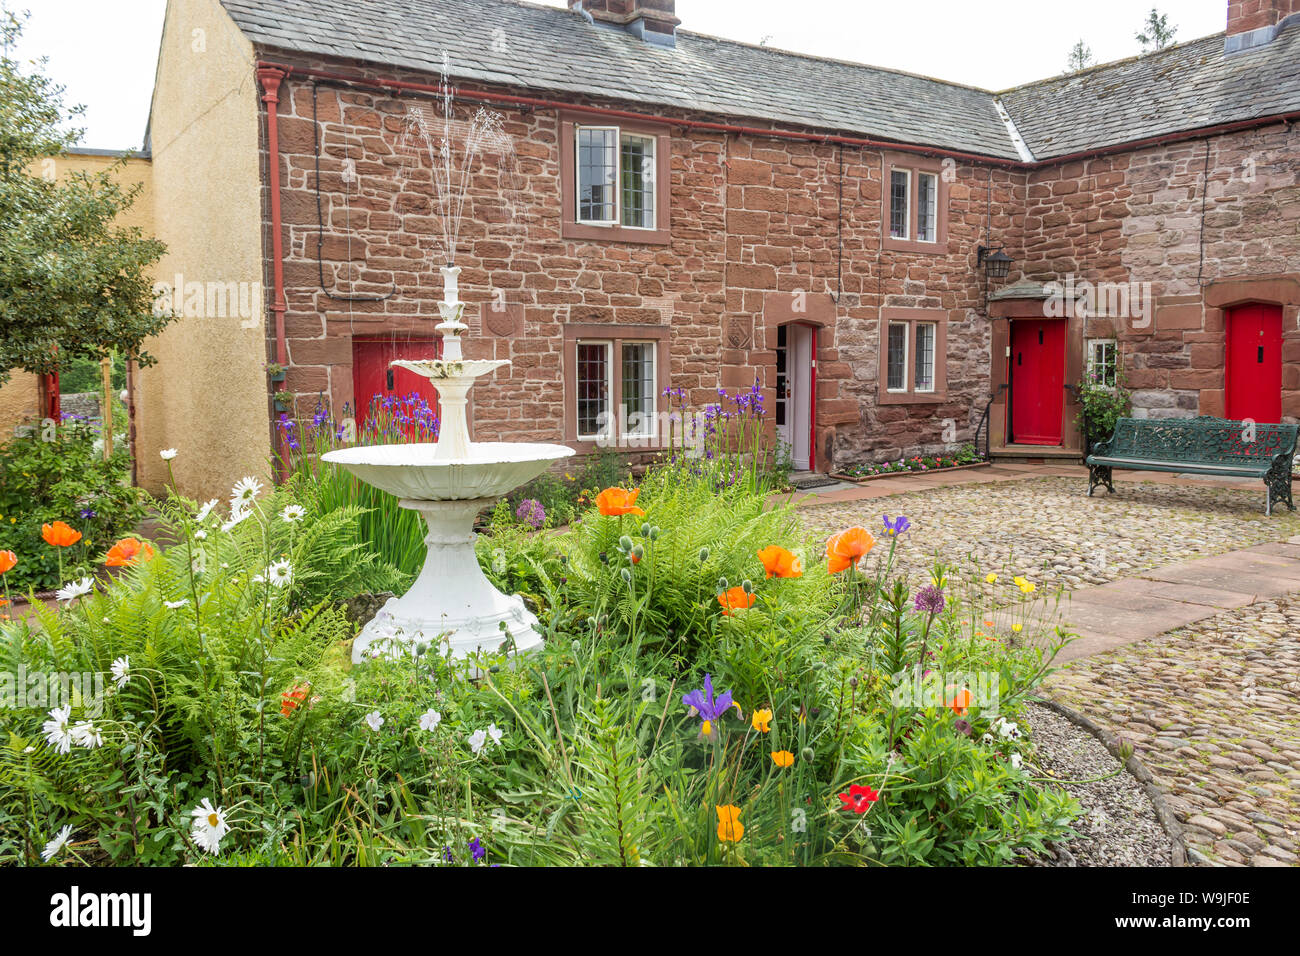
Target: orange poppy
column 782, row 758
column 618, row 501
column 960, row 701
column 7, row 561
column 778, row 562
column 60, row 535
column 127, row 552
column 290, row 699
column 730, row 829
column 735, row 599
column 846, row 549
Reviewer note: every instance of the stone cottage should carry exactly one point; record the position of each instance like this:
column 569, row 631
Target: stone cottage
column 900, row 263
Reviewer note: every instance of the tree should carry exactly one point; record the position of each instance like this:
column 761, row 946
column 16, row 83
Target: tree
column 1080, row 57
column 72, row 284
column 1156, row 33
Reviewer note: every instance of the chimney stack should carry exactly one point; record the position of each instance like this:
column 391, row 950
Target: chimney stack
column 1253, row 23
column 654, row 21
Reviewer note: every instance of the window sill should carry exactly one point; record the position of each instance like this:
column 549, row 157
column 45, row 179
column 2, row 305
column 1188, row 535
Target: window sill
column 586, row 231
column 912, row 398
column 936, row 248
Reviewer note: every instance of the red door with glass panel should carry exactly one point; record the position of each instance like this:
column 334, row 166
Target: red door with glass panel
column 372, row 377
column 1253, row 363
column 1037, row 381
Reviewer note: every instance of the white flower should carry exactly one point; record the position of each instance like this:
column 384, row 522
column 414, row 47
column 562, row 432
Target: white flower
column 244, row 493
column 494, row 733
column 430, row 720
column 74, row 590
column 198, row 561
column 206, row 511
column 237, row 514
column 987, row 739
column 200, row 535
column 375, row 720
column 167, row 454
column 85, row 735
column 173, row 605
column 209, row 825
column 1006, row 729
column 292, row 513
column 58, row 843
column 57, row 733
column 1015, row 761
column 476, row 741
column 121, row 671
column 280, row 574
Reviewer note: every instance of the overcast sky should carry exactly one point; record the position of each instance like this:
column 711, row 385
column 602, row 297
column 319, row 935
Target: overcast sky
column 104, row 51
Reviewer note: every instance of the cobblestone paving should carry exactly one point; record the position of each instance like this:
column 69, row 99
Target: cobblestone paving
column 1049, row 530
column 1213, row 710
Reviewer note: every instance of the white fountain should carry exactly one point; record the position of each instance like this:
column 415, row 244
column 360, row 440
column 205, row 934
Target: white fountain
column 449, row 482
column 453, row 479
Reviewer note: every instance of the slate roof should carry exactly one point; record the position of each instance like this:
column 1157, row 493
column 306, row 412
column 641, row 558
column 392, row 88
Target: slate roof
column 548, row 49
column 1190, row 86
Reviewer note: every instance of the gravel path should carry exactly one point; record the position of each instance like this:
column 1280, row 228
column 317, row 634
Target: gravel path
column 1049, row 530
column 1119, row 826
column 1213, row 710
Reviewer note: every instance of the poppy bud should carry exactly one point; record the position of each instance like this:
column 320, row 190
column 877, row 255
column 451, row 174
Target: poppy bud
column 722, row 584
column 627, row 574
column 625, row 543
column 807, row 755
column 704, row 555
column 645, row 530
column 604, row 558
column 747, row 586
column 638, row 553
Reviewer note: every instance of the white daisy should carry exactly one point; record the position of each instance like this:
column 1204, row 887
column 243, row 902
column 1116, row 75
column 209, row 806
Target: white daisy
column 167, row 454
column 57, row 732
column 74, row 590
column 206, row 511
column 244, row 493
column 173, row 605
column 494, row 733
column 58, row 843
column 121, row 671
column 85, row 735
column 200, row 535
column 375, row 720
column 477, row 740
column 292, row 513
column 198, row 561
column 237, row 514
column 280, row 574
column 209, row 825
column 430, row 720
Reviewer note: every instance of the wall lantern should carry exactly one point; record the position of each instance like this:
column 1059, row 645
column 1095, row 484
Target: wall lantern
column 996, row 263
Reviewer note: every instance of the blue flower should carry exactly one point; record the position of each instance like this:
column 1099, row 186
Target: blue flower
column 896, row 526
column 708, row 707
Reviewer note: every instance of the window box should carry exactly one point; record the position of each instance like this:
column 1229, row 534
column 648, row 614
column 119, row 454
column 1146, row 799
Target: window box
column 614, row 377
column 615, row 179
column 915, row 197
column 913, row 356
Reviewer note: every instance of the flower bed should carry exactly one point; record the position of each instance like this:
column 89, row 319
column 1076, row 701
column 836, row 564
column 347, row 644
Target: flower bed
column 915, row 464
column 713, row 690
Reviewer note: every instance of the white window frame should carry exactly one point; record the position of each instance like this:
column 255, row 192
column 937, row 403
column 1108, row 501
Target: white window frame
column 907, row 355
column 934, row 355
column 621, row 136
column 614, row 404
column 907, row 204
column 577, row 386
column 1092, row 363
column 934, row 208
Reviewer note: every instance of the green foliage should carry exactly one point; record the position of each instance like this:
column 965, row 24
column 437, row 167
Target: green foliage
column 72, row 284
column 58, row 473
column 1156, row 33
column 1100, row 407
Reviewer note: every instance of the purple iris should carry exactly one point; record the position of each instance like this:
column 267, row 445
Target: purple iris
column 897, row 525
column 930, row 600
column 476, row 848
column 706, row 705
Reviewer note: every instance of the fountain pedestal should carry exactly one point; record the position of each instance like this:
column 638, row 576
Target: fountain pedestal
column 451, row 602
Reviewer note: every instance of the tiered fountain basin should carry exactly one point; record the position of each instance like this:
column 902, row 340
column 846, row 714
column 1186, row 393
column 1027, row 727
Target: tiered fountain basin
column 451, row 606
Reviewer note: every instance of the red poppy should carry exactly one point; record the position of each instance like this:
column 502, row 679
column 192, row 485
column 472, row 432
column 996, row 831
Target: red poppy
column 7, row 561
column 846, row 549
column 290, row 699
column 778, row 562
column 618, row 501
column 127, row 552
column 959, row 702
column 859, row 798
column 60, row 535
column 736, row 599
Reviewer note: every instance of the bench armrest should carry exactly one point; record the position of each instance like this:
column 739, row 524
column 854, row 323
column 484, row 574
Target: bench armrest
column 1101, row 448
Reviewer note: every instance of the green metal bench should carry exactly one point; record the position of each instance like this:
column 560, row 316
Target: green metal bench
column 1199, row 446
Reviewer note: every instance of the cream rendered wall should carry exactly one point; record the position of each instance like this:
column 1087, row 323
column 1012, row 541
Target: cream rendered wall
column 20, row 399
column 207, row 396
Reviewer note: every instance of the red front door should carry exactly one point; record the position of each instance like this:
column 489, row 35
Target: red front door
column 1254, row 363
column 373, row 380
column 1037, row 381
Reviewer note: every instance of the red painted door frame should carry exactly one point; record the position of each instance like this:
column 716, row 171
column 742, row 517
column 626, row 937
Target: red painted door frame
column 1037, row 366
column 1252, row 362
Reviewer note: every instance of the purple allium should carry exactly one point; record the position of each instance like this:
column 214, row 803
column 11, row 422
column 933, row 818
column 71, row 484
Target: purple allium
column 531, row 513
column 929, row 599
column 897, row 525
